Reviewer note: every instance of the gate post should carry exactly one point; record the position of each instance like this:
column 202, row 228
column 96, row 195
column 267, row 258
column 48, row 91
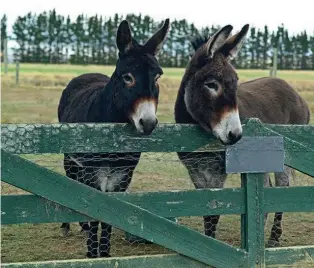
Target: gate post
column 243, row 216
column 254, row 157
column 253, row 221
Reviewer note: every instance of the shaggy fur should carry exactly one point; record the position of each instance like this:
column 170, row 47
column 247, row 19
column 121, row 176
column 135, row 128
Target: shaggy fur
column 272, row 100
column 123, row 98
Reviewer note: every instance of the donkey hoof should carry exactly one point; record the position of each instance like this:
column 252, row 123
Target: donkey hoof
column 64, row 232
column 84, row 233
column 273, row 243
column 211, row 234
column 104, row 255
column 91, row 255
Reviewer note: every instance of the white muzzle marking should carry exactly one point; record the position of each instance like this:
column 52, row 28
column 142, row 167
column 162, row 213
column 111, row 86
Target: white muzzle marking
column 230, row 123
column 145, row 111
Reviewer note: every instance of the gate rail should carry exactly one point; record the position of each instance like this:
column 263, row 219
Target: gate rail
column 143, row 214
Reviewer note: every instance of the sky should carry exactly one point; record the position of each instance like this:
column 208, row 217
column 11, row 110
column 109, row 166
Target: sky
column 297, row 15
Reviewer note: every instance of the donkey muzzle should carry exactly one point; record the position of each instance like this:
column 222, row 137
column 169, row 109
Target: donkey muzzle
column 148, row 125
column 229, row 129
column 144, row 116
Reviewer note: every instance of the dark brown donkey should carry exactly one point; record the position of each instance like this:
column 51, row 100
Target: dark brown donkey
column 209, row 95
column 130, row 95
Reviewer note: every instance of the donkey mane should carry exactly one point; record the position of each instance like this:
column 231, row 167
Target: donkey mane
column 198, row 41
column 87, row 87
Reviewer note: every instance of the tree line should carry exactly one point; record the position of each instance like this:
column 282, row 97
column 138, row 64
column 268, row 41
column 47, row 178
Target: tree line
column 49, row 37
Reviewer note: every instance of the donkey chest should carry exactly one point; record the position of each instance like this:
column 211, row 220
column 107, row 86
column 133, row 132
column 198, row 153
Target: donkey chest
column 109, row 178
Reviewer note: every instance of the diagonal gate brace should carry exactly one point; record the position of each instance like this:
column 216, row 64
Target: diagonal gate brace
column 121, row 214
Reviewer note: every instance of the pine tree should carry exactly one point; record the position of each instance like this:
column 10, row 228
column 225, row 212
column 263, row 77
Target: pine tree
column 51, row 34
column 304, row 44
column 312, row 51
column 20, row 36
column 100, row 42
column 288, row 48
column 259, row 49
column 3, row 33
column 252, row 47
column 78, row 31
column 51, row 38
column 265, row 47
column 280, row 46
column 68, row 37
column 40, row 37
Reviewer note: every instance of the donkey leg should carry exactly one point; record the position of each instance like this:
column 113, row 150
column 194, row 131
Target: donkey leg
column 281, row 179
column 210, row 225
column 267, row 183
column 104, row 243
column 214, row 179
column 84, row 228
column 209, row 179
column 92, row 240
column 276, row 231
column 211, row 221
column 64, row 229
column 70, row 171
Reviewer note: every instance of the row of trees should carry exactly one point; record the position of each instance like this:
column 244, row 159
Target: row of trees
column 52, row 38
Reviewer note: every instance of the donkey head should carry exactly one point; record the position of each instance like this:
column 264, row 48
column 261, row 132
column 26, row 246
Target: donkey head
column 136, row 89
column 210, row 85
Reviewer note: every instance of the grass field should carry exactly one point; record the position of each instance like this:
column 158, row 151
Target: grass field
column 35, row 100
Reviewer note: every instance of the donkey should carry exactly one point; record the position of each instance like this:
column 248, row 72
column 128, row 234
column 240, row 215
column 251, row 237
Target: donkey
column 209, row 95
column 130, row 95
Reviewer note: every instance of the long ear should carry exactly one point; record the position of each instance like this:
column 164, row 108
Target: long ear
column 218, row 40
column 232, row 46
column 154, row 44
column 124, row 37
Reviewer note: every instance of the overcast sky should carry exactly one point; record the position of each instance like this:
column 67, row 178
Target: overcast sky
column 296, row 15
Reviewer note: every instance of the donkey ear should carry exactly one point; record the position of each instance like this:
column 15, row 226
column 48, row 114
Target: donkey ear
column 232, row 46
column 124, row 37
column 154, row 44
column 218, row 40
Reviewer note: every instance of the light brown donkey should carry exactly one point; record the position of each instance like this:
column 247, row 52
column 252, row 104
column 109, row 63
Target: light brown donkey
column 209, row 95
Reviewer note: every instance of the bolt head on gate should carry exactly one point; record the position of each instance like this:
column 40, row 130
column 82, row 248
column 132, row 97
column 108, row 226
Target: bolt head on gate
column 256, row 155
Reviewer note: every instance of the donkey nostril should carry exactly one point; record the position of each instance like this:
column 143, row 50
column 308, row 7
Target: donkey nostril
column 233, row 138
column 141, row 122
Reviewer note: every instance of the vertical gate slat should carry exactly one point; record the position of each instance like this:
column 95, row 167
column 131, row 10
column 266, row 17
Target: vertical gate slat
column 243, row 216
column 255, row 220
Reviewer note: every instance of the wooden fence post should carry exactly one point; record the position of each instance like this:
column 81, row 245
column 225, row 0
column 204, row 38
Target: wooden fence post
column 243, row 217
column 5, row 55
column 254, row 220
column 17, row 72
column 273, row 69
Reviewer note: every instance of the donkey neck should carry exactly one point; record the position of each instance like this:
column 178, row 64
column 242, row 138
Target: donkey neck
column 108, row 111
column 181, row 113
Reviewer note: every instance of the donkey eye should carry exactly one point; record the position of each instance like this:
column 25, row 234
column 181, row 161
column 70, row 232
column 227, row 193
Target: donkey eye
column 128, row 79
column 212, row 85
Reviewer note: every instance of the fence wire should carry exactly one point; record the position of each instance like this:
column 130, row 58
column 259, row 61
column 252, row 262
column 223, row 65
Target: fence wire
column 151, row 172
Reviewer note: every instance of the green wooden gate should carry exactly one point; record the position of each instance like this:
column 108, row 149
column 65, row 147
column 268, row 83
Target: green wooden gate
column 144, row 214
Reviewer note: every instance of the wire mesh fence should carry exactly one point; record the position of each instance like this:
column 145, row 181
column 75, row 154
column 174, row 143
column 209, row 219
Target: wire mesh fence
column 131, row 172
column 148, row 172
